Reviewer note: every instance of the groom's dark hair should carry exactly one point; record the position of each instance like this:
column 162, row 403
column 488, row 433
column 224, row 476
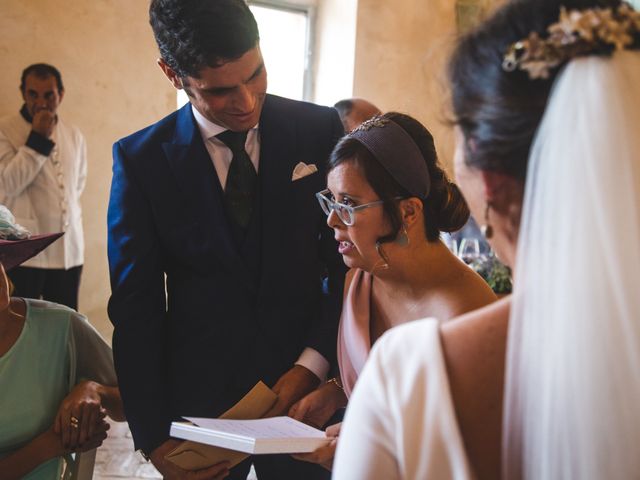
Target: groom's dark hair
column 194, row 34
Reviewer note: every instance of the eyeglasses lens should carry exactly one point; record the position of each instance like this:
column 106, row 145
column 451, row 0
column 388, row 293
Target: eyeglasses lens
column 343, row 213
column 325, row 203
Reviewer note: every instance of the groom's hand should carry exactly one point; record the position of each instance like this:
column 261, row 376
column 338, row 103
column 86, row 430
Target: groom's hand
column 291, row 387
column 170, row 471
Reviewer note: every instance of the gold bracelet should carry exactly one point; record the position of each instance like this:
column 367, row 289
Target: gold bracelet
column 336, row 382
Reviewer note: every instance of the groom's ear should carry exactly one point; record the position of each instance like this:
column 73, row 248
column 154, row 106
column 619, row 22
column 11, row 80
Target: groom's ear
column 170, row 74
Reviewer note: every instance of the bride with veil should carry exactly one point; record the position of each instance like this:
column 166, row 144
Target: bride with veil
column 573, row 381
column 546, row 99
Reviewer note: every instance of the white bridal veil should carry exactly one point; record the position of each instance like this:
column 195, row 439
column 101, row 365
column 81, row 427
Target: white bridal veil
column 572, row 397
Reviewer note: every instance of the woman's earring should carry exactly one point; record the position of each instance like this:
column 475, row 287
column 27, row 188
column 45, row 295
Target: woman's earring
column 383, row 263
column 487, row 229
column 402, row 238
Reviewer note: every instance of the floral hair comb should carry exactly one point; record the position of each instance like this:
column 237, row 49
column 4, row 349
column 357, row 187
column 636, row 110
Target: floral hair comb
column 577, row 32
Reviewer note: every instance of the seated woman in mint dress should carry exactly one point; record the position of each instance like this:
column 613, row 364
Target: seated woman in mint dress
column 387, row 200
column 56, row 377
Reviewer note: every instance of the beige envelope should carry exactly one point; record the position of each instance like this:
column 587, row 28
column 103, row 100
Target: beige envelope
column 195, row 456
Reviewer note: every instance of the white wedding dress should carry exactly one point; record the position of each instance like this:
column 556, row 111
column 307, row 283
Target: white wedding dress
column 400, row 422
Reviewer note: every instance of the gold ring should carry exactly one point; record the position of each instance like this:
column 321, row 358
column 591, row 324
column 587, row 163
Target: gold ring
column 74, row 422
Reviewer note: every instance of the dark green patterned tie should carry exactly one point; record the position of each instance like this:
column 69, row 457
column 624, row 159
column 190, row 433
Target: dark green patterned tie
column 241, row 179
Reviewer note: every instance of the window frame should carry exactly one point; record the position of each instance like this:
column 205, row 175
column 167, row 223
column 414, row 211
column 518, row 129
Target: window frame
column 310, row 11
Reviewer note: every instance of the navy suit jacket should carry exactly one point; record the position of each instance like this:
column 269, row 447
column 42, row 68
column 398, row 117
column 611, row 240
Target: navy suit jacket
column 229, row 314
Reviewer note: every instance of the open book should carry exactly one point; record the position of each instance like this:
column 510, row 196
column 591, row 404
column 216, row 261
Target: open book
column 265, row 435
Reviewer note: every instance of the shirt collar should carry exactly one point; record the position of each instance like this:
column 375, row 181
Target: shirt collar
column 208, row 129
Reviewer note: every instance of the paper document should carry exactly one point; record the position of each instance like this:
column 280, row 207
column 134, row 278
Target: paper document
column 265, row 435
column 194, row 456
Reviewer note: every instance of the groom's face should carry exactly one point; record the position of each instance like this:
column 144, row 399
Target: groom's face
column 230, row 95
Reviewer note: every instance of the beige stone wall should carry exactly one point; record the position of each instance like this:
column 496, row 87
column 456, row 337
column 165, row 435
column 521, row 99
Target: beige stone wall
column 106, row 54
column 401, row 50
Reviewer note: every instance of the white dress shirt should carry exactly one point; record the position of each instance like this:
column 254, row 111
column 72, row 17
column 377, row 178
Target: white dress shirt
column 43, row 191
column 221, row 157
column 220, row 154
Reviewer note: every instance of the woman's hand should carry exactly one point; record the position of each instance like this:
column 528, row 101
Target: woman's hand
column 80, row 416
column 44, row 447
column 319, row 406
column 325, row 454
column 99, row 434
column 52, row 441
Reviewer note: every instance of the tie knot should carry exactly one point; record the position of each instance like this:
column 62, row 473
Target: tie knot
column 234, row 140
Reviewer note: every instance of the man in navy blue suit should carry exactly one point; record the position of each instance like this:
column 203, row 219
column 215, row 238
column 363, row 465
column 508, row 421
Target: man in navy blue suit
column 217, row 246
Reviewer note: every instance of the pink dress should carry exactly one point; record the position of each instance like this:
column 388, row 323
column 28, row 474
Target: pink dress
column 354, row 337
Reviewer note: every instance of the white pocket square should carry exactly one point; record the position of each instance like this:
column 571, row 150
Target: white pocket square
column 302, row 170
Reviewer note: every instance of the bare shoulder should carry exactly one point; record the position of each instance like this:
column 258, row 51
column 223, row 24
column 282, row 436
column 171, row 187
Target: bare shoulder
column 473, row 333
column 464, row 291
column 474, row 348
column 474, row 344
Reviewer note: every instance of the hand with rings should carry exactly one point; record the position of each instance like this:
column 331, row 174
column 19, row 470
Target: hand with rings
column 80, row 416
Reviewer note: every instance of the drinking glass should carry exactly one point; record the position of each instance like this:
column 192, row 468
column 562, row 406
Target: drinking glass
column 469, row 250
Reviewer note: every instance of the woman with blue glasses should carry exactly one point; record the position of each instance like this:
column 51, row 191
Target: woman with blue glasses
column 387, row 200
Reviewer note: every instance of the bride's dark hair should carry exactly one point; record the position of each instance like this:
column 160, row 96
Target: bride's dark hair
column 499, row 111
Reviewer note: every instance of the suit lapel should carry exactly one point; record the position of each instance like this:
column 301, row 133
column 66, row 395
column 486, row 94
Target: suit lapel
column 277, row 159
column 194, row 171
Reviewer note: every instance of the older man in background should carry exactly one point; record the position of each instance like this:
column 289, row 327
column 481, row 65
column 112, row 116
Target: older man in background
column 43, row 169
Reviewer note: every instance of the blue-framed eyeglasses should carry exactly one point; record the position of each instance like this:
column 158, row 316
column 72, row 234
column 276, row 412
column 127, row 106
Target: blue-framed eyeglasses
column 346, row 213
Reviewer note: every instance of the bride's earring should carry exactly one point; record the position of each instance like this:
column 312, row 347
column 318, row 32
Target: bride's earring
column 487, row 229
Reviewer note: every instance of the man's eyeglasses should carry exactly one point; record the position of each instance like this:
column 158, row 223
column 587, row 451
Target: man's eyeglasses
column 346, row 213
